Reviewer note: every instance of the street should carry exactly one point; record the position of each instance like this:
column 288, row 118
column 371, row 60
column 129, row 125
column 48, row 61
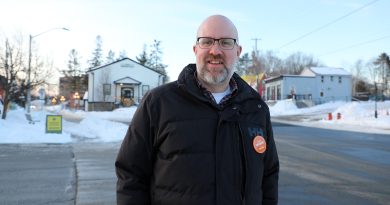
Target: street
column 37, row 174
column 321, row 167
column 318, row 167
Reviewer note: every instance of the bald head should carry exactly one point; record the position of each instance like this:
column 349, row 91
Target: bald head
column 215, row 62
column 217, row 26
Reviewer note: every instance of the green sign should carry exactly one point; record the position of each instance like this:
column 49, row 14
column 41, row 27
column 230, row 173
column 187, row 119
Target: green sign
column 54, row 124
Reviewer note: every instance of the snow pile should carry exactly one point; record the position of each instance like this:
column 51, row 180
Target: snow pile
column 16, row 129
column 354, row 116
column 285, row 107
column 98, row 130
column 362, row 114
column 288, row 107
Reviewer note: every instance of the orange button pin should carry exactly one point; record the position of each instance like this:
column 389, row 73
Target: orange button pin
column 259, row 144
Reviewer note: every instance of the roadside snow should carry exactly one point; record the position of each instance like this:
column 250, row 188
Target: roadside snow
column 112, row 126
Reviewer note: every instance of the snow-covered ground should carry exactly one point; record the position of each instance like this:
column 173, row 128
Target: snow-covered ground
column 354, row 116
column 95, row 126
column 112, row 126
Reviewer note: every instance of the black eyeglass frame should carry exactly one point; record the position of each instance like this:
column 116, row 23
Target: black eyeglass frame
column 219, row 42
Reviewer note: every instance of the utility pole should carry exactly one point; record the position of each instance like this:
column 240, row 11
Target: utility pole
column 376, row 99
column 256, row 51
column 28, row 100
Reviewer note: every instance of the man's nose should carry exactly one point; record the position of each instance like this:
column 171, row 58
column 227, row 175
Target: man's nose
column 215, row 48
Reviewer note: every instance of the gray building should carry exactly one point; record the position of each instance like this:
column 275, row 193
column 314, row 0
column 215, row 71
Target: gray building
column 315, row 84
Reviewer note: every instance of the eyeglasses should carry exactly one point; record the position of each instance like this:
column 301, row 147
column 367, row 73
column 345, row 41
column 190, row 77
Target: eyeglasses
column 224, row 43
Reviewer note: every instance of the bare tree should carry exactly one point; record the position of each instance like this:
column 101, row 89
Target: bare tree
column 272, row 63
column 357, row 71
column 257, row 66
column 373, row 71
column 11, row 66
column 13, row 59
column 41, row 69
column 296, row 62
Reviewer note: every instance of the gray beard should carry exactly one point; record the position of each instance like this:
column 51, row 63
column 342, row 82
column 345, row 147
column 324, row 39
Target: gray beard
column 215, row 80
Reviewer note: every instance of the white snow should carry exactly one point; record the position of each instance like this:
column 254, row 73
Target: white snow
column 354, row 116
column 76, row 125
column 112, row 126
column 329, row 71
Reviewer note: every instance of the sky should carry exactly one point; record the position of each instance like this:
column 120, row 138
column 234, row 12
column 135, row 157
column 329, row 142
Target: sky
column 322, row 28
column 112, row 126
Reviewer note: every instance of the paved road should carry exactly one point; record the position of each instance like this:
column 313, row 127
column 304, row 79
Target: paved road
column 322, row 167
column 37, row 174
column 80, row 173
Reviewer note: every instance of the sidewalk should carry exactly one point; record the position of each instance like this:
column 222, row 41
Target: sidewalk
column 95, row 172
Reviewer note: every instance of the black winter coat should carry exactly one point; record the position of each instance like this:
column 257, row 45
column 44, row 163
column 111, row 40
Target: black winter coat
column 181, row 148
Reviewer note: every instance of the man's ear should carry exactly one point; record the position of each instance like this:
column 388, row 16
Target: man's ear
column 239, row 50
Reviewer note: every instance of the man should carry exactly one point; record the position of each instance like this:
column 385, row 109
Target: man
column 203, row 139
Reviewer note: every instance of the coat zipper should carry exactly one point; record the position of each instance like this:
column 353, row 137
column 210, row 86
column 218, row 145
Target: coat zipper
column 243, row 165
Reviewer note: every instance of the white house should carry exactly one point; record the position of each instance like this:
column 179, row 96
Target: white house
column 120, row 83
column 317, row 84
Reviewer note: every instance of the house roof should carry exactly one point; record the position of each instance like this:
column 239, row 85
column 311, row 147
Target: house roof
column 102, row 66
column 127, row 80
column 329, row 71
column 280, row 77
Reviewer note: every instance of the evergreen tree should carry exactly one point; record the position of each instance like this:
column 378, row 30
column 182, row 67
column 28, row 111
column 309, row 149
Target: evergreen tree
column 383, row 63
column 243, row 64
column 73, row 65
column 122, row 55
column 155, row 57
column 143, row 57
column 97, row 53
column 74, row 72
column 383, row 70
column 110, row 57
column 155, row 60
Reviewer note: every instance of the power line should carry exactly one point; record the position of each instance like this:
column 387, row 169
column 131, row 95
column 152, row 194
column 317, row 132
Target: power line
column 328, row 24
column 355, row 45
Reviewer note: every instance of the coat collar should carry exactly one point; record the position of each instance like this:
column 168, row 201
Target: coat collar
column 187, row 81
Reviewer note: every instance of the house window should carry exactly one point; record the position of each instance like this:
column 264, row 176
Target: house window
column 322, row 94
column 339, row 79
column 331, row 78
column 106, row 89
column 268, row 93
column 145, row 89
column 273, row 93
column 278, row 93
column 322, row 79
